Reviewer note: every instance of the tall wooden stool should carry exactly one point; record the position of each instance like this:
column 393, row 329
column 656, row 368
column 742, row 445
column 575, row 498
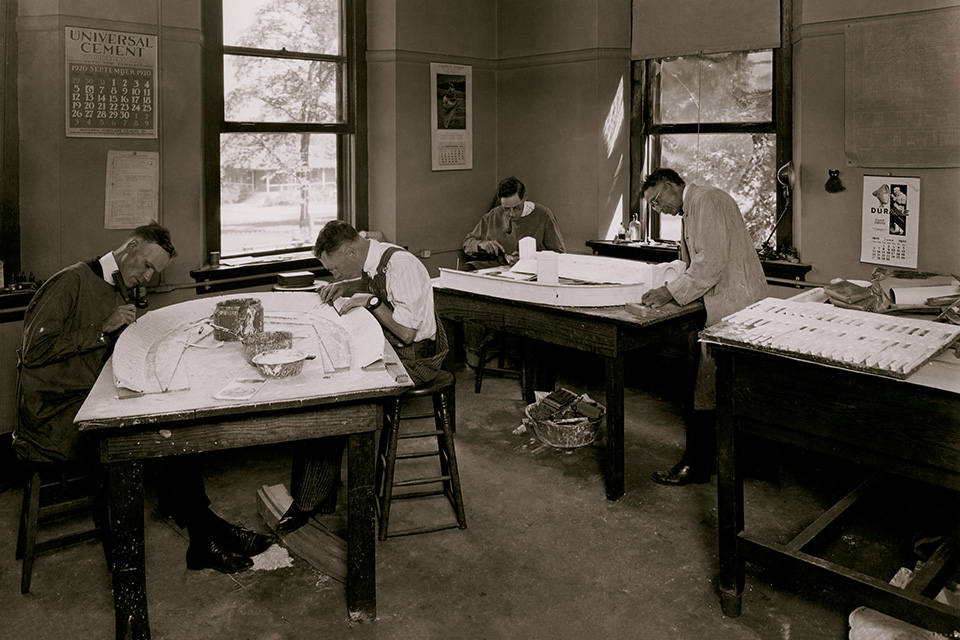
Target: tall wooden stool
column 58, row 495
column 442, row 390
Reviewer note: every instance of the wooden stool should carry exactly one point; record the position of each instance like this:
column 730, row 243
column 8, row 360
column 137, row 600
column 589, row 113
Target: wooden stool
column 443, row 391
column 57, row 496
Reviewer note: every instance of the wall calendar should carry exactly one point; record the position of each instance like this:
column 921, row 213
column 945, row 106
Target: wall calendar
column 110, row 84
column 451, row 116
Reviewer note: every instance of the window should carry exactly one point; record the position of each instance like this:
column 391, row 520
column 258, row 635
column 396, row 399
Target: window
column 281, row 117
column 711, row 118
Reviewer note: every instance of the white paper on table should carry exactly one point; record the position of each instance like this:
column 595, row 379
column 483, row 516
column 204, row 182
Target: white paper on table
column 367, row 336
column 918, row 295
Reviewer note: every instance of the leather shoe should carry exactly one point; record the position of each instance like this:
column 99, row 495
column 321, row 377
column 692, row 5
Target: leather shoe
column 293, row 519
column 681, row 474
column 241, row 541
column 208, row 555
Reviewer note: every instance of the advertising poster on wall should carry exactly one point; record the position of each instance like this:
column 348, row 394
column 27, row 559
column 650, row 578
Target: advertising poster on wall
column 891, row 221
column 110, row 84
column 451, row 116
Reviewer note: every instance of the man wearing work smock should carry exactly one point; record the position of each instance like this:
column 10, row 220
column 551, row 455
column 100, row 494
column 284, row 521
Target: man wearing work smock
column 724, row 271
column 69, row 330
column 495, row 240
column 402, row 302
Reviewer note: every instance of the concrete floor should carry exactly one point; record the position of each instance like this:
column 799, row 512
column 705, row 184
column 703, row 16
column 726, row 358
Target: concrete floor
column 545, row 555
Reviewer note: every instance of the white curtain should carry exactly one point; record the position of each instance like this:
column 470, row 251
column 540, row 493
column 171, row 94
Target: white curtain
column 667, row 28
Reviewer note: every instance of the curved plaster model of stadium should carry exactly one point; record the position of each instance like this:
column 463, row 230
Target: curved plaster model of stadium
column 564, row 279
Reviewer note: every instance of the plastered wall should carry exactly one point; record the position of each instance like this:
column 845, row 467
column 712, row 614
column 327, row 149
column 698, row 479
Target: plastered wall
column 827, row 225
column 62, row 180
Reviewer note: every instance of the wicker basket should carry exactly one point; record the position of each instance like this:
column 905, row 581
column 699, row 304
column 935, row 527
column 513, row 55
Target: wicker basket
column 566, row 435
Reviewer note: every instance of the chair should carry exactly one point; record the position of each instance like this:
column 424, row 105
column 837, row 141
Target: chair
column 442, row 390
column 53, row 494
column 497, row 341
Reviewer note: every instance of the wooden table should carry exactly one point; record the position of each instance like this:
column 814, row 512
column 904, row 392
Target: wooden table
column 910, row 428
column 308, row 406
column 607, row 331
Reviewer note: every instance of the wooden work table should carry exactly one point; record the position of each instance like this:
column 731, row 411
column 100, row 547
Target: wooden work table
column 310, row 405
column 909, row 428
column 610, row 332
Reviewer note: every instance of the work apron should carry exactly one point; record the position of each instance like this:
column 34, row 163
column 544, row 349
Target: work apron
column 422, row 359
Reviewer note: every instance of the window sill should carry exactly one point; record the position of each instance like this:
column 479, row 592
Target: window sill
column 243, row 273
column 773, row 269
column 634, row 251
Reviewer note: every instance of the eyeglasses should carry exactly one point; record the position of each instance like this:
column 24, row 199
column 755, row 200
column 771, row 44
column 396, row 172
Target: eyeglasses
column 654, row 202
column 517, row 208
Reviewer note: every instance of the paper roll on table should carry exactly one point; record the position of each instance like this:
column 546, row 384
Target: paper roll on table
column 917, row 296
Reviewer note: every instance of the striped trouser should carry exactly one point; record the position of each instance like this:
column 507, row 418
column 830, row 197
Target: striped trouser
column 316, row 474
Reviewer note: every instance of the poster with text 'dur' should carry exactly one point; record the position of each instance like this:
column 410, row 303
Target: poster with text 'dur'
column 890, row 223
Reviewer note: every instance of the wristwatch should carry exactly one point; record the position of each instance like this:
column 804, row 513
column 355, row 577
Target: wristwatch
column 373, row 303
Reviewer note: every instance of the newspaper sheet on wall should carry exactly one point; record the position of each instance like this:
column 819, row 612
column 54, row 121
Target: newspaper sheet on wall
column 902, row 90
column 132, row 197
column 451, row 111
column 110, row 83
column 891, row 221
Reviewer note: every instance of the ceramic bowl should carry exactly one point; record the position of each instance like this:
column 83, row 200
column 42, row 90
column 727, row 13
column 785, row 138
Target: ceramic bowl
column 280, row 363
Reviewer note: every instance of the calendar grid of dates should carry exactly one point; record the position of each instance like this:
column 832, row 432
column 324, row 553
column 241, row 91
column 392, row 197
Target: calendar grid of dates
column 117, row 99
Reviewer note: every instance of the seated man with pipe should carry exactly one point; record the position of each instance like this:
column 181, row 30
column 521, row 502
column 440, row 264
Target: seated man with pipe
column 69, row 331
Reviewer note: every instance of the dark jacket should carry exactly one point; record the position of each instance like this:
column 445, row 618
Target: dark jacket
column 62, row 352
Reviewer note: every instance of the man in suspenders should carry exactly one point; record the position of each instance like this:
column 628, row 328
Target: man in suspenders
column 402, row 301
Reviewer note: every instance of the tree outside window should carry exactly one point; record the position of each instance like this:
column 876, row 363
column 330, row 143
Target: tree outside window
column 284, row 109
column 710, row 117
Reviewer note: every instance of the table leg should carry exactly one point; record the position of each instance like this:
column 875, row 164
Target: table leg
column 361, row 521
column 729, row 493
column 614, row 452
column 538, row 372
column 129, row 572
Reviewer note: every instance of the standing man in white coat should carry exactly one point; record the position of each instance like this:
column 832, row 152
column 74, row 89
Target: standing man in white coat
column 724, row 271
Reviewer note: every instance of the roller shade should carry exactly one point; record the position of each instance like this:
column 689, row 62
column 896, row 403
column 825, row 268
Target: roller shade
column 667, row 28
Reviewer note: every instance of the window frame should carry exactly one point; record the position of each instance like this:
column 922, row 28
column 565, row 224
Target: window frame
column 646, row 132
column 351, row 130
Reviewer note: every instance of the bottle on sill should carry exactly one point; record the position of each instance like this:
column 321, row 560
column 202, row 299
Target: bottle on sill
column 621, row 234
column 635, row 234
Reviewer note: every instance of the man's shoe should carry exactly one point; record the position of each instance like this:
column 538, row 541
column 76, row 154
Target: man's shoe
column 207, row 555
column 292, row 520
column 239, row 540
column 681, row 474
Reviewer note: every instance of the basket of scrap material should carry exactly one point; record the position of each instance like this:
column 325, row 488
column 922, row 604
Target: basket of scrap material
column 571, row 425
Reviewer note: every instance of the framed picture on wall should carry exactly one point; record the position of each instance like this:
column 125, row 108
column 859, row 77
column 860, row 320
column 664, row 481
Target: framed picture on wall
column 890, row 221
column 451, row 116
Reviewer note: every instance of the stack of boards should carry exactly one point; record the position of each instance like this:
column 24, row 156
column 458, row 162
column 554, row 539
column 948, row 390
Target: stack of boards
column 875, row 343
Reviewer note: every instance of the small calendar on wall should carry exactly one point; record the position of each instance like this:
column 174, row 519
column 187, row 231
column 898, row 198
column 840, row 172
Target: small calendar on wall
column 110, row 84
column 451, row 115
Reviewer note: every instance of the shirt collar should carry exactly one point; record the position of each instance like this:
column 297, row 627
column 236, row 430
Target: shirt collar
column 373, row 257
column 527, row 208
column 109, row 264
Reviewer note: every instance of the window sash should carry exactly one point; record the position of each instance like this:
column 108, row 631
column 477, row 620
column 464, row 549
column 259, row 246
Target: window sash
column 351, row 174
column 647, row 132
